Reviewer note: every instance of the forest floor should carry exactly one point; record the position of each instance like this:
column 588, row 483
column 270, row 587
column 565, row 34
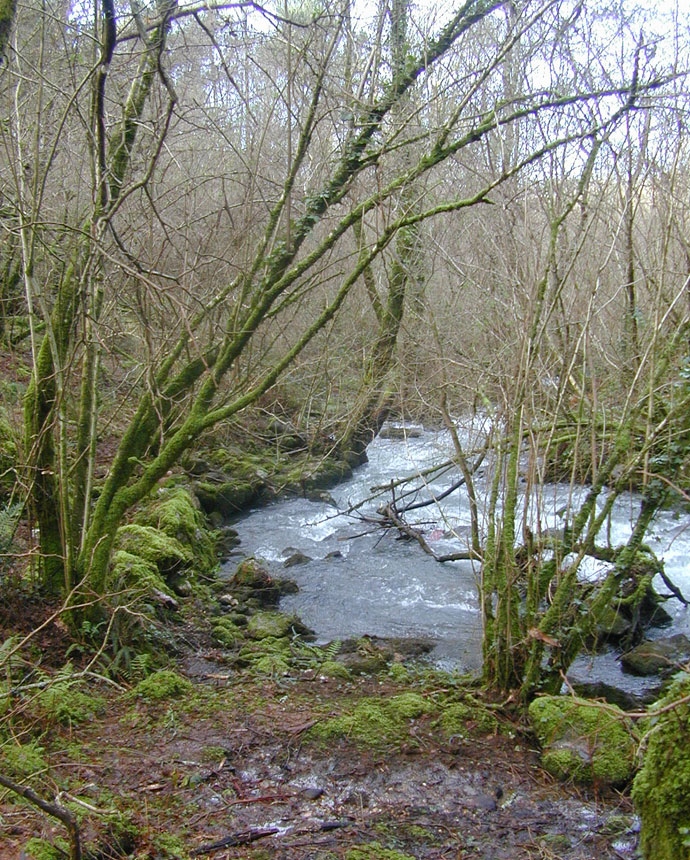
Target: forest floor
column 232, row 767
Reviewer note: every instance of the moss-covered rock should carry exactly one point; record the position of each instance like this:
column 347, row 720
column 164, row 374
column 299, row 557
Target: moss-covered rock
column 274, row 624
column 658, row 657
column 227, row 633
column 155, row 547
column 252, row 574
column 661, row 790
column 271, row 664
column 176, row 513
column 227, row 498
column 583, row 741
column 377, row 723
column 333, row 669
column 130, row 571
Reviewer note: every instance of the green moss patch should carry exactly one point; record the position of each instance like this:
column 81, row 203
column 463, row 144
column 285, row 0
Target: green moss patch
column 661, row 790
column 166, row 553
column 176, row 514
column 22, row 760
column 377, row 722
column 375, row 851
column 460, row 719
column 582, row 741
column 68, row 704
column 163, row 684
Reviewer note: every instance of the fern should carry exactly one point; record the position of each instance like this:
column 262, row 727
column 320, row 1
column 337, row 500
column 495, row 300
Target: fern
column 139, row 668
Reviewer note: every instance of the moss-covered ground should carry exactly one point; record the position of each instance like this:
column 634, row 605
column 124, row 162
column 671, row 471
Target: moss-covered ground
column 208, row 756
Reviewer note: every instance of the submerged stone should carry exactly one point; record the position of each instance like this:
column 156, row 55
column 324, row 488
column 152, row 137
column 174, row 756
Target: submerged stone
column 660, row 656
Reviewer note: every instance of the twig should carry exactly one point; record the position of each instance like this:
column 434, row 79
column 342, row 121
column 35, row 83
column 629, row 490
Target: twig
column 66, row 816
column 246, row 837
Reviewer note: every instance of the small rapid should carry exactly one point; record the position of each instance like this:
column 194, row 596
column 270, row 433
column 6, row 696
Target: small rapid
column 362, row 580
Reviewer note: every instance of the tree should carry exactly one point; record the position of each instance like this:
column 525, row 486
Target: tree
column 227, row 292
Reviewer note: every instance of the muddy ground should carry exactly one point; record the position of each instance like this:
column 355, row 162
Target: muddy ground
column 232, row 771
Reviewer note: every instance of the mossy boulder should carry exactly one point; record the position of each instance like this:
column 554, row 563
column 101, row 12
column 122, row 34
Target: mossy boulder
column 661, row 790
column 154, row 547
column 228, row 497
column 377, row 723
column 273, row 624
column 658, row 657
column 333, row 669
column 271, row 664
column 583, row 741
column 130, row 571
column 175, row 512
column 250, row 573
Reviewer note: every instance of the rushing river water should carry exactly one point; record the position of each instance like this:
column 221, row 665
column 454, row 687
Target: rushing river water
column 379, row 585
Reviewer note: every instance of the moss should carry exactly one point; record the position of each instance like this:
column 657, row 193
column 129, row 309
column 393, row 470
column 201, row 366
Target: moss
column 8, row 454
column 583, row 741
column 227, row 633
column 22, row 760
column 269, row 624
column 227, row 498
column 376, row 723
column 162, row 685
column 398, row 672
column 169, row 846
column 65, row 703
column 132, row 571
column 41, row 849
column 333, row 669
column 213, row 754
column 176, row 514
column 460, row 719
column 661, row 790
column 251, row 574
column 375, row 851
column 270, row 664
column 154, row 547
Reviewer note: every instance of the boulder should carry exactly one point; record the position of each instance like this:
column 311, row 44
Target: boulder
column 261, row 625
column 658, row 657
column 583, row 741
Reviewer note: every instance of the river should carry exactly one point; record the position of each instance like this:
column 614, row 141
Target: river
column 362, row 582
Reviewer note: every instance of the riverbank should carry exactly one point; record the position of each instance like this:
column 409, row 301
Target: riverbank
column 228, row 733
column 205, row 759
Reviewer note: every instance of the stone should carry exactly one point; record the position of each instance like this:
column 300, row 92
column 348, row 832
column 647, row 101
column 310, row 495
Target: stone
column 262, row 625
column 658, row 657
column 583, row 741
column 297, row 558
